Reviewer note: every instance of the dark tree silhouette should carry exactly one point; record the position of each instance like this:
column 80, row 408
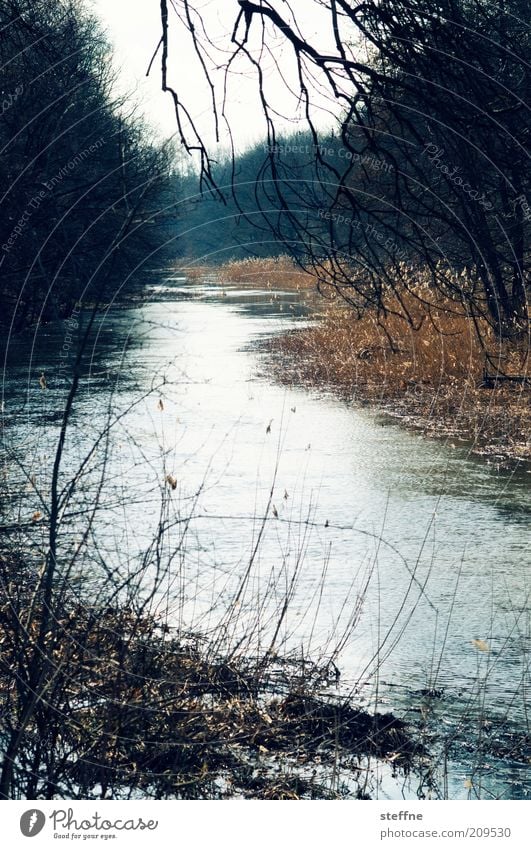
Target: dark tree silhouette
column 434, row 134
column 82, row 184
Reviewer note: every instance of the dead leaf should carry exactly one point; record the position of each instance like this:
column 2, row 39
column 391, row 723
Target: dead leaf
column 171, row 481
column 36, row 516
column 160, row 405
column 481, row 645
column 42, row 381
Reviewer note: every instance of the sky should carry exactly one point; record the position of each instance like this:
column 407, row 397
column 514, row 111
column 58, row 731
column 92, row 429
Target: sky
column 133, row 28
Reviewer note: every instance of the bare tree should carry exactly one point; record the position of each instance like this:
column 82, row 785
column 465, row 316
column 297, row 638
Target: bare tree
column 78, row 168
column 434, row 132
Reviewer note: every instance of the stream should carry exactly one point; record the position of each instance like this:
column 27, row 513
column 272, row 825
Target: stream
column 408, row 555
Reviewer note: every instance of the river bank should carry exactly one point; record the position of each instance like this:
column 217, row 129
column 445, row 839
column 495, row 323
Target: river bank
column 146, row 709
column 284, row 520
column 432, row 374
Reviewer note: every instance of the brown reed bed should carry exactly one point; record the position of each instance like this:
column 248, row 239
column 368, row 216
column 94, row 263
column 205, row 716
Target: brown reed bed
column 268, row 274
column 439, row 370
column 142, row 709
column 436, row 377
column 272, row 274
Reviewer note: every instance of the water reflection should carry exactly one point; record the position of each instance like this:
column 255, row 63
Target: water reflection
column 433, row 539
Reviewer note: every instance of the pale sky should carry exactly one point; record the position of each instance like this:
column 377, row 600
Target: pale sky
column 133, row 27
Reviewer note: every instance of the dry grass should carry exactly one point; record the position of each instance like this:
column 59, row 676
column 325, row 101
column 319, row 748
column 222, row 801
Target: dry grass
column 144, row 710
column 433, row 372
column 272, row 273
column 194, row 273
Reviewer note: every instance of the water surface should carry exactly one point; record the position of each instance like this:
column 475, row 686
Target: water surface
column 409, row 554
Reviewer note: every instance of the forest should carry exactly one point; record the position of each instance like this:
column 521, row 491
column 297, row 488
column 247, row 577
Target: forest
column 265, row 402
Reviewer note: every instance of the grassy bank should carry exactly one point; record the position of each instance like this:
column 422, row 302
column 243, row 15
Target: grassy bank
column 431, row 370
column 137, row 708
column 273, row 274
column 114, row 681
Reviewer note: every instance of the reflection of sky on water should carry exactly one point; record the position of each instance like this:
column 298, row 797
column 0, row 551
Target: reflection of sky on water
column 442, row 536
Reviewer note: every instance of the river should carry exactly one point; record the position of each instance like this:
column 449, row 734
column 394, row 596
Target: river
column 408, row 555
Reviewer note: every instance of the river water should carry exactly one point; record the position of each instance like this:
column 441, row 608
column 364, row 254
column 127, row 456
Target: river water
column 402, row 558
